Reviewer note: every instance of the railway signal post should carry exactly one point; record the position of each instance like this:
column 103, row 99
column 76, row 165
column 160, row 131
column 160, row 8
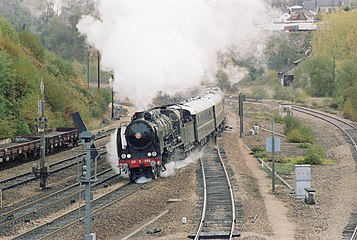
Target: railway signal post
column 85, row 178
column 41, row 125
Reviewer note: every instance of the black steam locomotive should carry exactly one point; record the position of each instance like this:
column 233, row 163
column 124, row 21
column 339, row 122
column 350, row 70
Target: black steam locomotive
column 154, row 137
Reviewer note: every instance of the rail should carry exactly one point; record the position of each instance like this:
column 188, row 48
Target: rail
column 211, row 227
column 45, row 231
column 348, row 129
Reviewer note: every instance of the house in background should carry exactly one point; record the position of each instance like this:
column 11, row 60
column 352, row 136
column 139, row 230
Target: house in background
column 287, row 75
column 296, row 19
column 325, row 5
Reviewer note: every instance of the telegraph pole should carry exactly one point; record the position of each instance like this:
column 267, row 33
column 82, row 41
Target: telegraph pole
column 88, row 56
column 273, row 156
column 241, row 98
column 111, row 81
column 98, row 69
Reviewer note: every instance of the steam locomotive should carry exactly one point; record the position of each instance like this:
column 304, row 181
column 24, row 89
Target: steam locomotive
column 154, row 137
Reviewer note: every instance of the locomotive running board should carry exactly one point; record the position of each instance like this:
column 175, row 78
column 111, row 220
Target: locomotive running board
column 78, row 121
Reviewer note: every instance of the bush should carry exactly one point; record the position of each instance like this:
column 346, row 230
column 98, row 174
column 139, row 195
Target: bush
column 314, row 155
column 304, row 145
column 259, row 152
column 33, row 43
column 285, row 93
column 296, row 132
column 8, row 31
column 259, row 92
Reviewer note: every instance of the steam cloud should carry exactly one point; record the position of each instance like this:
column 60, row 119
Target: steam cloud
column 170, row 45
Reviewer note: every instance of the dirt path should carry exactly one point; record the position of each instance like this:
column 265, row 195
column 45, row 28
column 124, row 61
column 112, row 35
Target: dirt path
column 282, row 226
column 276, row 213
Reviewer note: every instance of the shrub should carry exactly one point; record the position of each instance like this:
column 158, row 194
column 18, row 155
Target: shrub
column 304, row 145
column 33, row 43
column 296, row 132
column 259, row 92
column 314, row 155
column 259, row 152
column 285, row 93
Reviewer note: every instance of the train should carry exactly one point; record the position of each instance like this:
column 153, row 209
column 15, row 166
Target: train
column 159, row 135
column 28, row 147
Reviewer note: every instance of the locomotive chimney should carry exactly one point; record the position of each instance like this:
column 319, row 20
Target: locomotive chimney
column 138, row 115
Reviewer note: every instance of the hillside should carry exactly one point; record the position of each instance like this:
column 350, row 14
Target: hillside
column 24, row 62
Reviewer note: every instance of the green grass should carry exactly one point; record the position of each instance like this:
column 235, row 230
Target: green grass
column 280, row 168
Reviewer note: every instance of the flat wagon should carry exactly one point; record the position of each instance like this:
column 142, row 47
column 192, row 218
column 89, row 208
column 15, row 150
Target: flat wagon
column 28, row 147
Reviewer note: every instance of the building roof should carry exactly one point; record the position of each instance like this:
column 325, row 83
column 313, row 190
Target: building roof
column 311, row 4
column 297, row 16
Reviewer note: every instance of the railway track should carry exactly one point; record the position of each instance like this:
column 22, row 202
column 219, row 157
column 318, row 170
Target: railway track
column 350, row 130
column 25, row 213
column 60, row 223
column 58, row 166
column 217, row 220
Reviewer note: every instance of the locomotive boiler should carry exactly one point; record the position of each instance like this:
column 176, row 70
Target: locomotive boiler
column 154, row 137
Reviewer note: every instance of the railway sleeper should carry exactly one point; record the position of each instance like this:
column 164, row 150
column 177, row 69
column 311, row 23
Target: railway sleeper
column 215, row 235
column 219, row 222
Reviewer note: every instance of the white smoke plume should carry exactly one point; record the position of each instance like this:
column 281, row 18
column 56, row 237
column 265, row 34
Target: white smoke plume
column 170, row 45
column 175, row 165
column 112, row 155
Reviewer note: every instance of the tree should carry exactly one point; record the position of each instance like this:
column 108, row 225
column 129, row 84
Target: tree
column 282, row 49
column 315, row 75
column 32, row 42
column 333, row 46
column 223, row 80
column 347, row 88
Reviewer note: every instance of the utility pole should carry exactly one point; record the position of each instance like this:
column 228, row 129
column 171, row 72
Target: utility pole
column 98, row 69
column 42, row 172
column 273, row 155
column 273, row 145
column 241, row 98
column 111, row 81
column 88, row 55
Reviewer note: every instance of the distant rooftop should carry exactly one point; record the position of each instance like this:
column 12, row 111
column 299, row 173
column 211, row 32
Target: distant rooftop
column 311, row 4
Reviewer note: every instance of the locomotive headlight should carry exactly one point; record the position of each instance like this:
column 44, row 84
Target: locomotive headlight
column 123, row 156
column 84, row 173
column 128, row 155
column 149, row 154
column 154, row 153
column 152, row 163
